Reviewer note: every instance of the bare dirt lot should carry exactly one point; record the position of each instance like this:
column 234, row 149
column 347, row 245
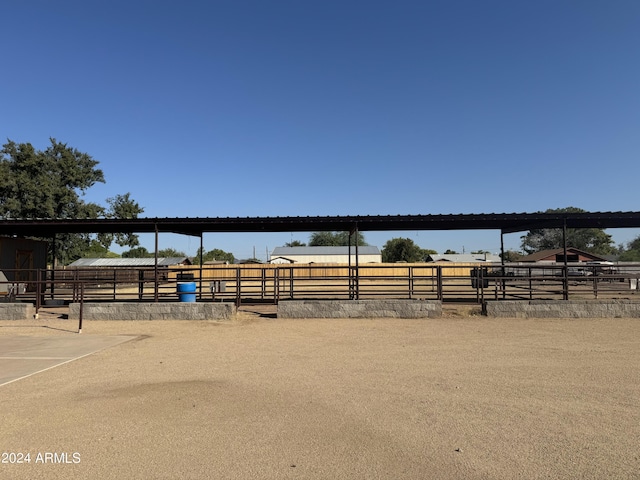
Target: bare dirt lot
column 460, row 397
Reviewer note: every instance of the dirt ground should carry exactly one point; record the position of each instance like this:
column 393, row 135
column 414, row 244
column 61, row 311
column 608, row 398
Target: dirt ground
column 459, row 397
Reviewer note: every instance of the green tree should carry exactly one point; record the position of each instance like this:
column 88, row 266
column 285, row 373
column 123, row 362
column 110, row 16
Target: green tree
column 322, row 239
column 50, row 184
column 170, row 252
column 335, row 239
column 295, row 243
column 511, row 256
column 450, row 252
column 215, row 254
column 593, row 240
column 97, row 250
column 45, row 184
column 122, row 207
column 402, row 250
column 632, row 252
column 137, row 252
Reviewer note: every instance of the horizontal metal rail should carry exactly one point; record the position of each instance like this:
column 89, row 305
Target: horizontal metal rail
column 270, row 283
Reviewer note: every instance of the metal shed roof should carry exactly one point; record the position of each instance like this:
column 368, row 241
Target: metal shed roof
column 128, row 262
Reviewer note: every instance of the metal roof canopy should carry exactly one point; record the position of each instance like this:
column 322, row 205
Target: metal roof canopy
column 505, row 222
column 127, row 262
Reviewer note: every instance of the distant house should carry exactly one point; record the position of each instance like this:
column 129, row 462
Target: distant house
column 366, row 254
column 557, row 256
column 553, row 258
column 281, row 260
column 463, row 257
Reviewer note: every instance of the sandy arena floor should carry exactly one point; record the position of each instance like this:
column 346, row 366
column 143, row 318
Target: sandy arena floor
column 461, row 397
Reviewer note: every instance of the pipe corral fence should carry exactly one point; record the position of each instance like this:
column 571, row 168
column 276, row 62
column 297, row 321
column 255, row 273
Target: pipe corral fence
column 264, row 283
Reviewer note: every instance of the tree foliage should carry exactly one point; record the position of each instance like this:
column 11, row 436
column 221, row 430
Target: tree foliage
column 46, row 184
column 632, row 252
column 137, row 252
column 335, row 239
column 121, row 207
column 170, row 252
column 593, row 240
column 511, row 256
column 295, row 243
column 212, row 255
column 142, row 252
column 97, row 250
column 402, row 250
column 50, row 184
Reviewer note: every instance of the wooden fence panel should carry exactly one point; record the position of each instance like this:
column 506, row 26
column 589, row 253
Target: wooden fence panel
column 326, row 270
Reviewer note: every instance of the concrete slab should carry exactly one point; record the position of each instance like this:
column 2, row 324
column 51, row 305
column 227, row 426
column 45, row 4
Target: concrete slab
column 22, row 356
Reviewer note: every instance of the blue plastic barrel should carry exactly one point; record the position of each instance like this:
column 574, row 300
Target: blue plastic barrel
column 187, row 291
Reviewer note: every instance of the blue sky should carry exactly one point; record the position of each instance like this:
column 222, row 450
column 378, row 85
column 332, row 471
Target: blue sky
column 275, row 108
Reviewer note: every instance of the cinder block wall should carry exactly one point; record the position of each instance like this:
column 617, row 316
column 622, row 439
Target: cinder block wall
column 563, row 309
column 17, row 311
column 359, row 309
column 152, row 311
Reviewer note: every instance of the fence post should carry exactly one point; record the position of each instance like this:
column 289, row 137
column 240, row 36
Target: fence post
column 291, row 275
column 238, row 287
column 410, row 273
column 352, row 278
column 39, row 294
column 76, row 276
column 81, row 308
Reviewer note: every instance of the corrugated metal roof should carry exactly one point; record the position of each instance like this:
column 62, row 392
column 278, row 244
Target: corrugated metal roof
column 128, row 262
column 288, row 251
